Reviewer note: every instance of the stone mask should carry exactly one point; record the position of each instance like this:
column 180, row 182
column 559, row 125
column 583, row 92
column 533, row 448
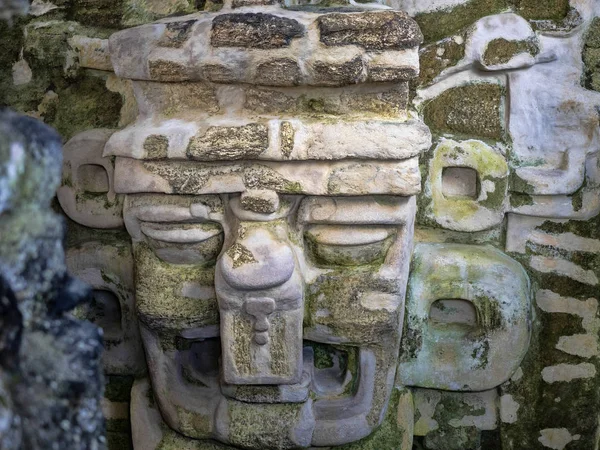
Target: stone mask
column 268, row 186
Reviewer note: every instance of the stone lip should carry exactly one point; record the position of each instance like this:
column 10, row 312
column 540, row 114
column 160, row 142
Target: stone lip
column 271, row 46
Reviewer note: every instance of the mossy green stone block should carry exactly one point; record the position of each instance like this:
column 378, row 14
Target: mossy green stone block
column 442, row 23
column 543, row 9
column 473, row 110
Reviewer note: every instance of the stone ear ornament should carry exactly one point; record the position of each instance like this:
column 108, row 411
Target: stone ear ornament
column 472, row 351
column 87, row 193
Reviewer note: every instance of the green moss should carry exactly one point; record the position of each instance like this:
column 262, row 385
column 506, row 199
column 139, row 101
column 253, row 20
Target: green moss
column 158, row 292
column 251, row 426
column 517, row 200
column 323, row 356
column 442, row 23
column 435, row 58
column 542, row 9
column 156, row 146
column 174, row 441
column 391, row 434
column 501, row 51
column 118, row 425
column 474, row 110
column 118, row 388
column 339, row 292
column 589, row 229
column 86, row 104
column 12, row 39
column 118, row 441
column 519, row 185
column 105, row 13
column 592, row 37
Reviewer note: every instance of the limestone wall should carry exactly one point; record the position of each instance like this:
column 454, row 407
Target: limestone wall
column 443, row 161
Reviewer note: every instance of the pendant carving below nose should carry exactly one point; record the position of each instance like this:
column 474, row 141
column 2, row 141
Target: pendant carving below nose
column 260, row 309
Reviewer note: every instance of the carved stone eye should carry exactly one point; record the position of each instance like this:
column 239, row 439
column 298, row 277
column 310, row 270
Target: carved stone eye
column 347, row 245
column 184, row 243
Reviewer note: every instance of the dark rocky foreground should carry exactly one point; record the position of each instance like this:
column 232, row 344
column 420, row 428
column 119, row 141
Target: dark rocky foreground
column 50, row 370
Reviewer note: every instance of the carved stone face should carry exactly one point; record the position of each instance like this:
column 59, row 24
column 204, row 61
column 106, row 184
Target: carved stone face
column 269, row 188
column 272, row 227
column 244, row 311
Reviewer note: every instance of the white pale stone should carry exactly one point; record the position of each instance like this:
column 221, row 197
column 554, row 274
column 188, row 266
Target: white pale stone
column 553, row 121
column 584, row 345
column 508, row 26
column 508, row 409
column 308, row 177
column 92, row 53
column 90, row 207
column 557, row 438
column 426, row 402
column 443, row 359
column 21, row 73
column 568, row 372
column 465, row 212
column 563, row 267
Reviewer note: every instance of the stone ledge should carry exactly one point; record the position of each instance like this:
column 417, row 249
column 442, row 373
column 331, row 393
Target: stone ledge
column 219, row 139
column 266, row 48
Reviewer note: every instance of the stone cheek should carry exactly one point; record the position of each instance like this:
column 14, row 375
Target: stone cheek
column 254, row 30
column 373, row 31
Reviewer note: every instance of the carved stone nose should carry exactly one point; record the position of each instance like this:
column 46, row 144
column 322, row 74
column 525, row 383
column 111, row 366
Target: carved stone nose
column 258, row 261
column 261, row 306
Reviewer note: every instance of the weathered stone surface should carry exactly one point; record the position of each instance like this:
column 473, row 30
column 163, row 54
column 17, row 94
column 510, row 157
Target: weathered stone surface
column 254, row 30
column 176, row 33
column 279, row 72
column 345, row 178
column 275, row 140
column 282, row 253
column 229, row 143
column 474, row 109
column 470, row 356
column 333, row 74
column 479, row 205
column 454, row 420
column 92, row 53
column 257, row 48
column 87, row 194
column 371, row 30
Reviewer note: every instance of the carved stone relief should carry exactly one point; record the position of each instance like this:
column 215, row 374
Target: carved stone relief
column 269, row 188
